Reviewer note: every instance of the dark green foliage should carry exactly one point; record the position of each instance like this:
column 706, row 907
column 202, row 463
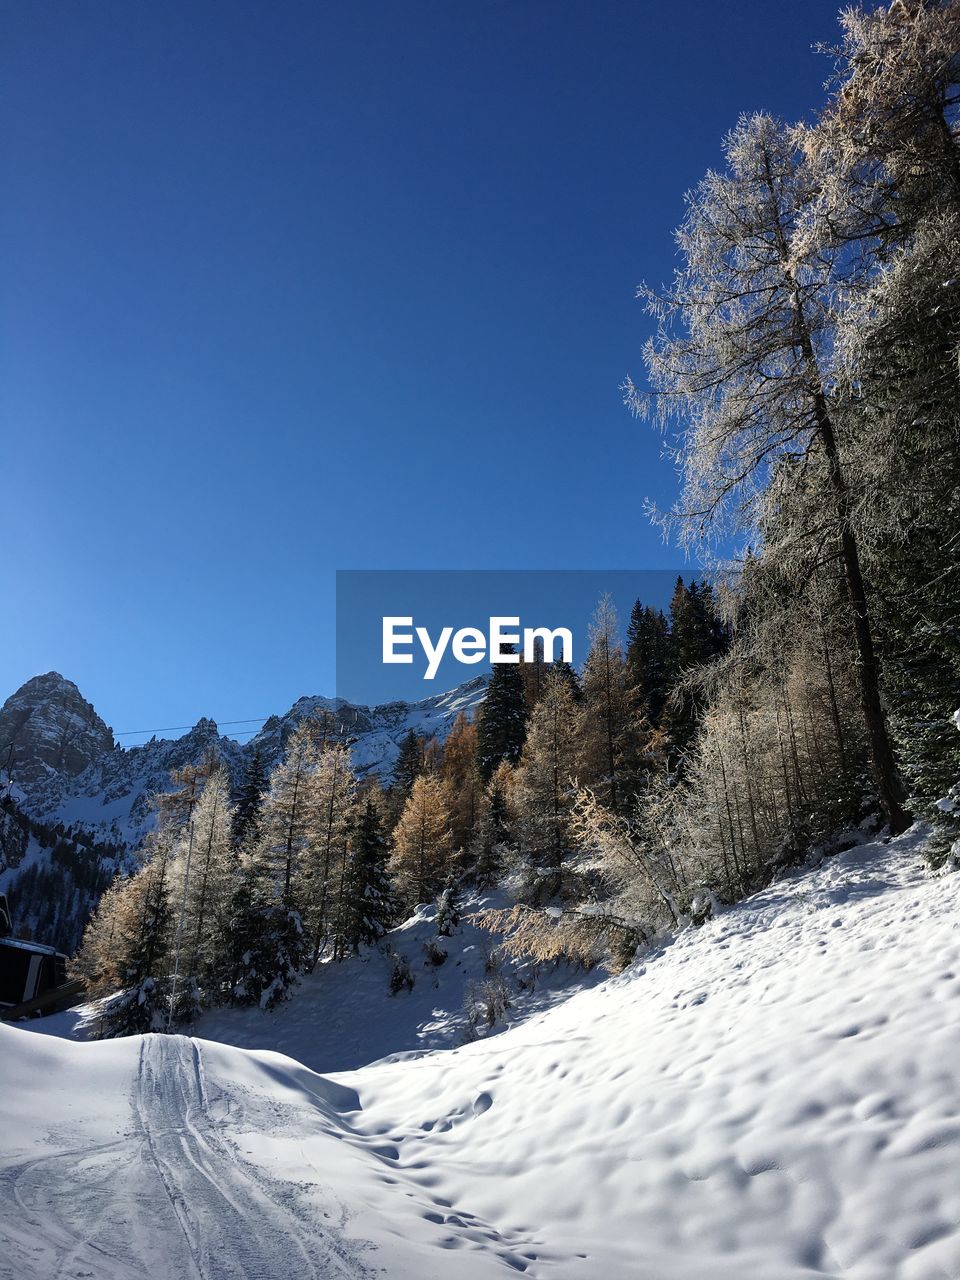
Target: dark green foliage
column 919, row 621
column 142, row 1007
column 52, row 900
column 697, row 636
column 406, row 770
column 449, row 910
column 371, row 905
column 143, row 1004
column 696, row 632
column 501, row 719
column 269, row 947
column 250, row 799
column 491, row 836
column 401, row 976
column 650, row 658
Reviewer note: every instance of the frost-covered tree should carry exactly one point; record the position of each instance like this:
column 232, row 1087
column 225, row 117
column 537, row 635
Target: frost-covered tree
column 449, row 908
column 886, row 153
column 887, row 147
column 124, row 954
column 288, row 816
column 203, row 880
column 742, row 362
column 271, row 946
column 612, row 729
column 332, row 787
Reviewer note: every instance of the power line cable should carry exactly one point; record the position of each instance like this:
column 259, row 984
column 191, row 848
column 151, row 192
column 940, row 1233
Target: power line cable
column 175, row 728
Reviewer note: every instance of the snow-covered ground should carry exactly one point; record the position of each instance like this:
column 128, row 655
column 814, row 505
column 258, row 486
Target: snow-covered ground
column 773, row 1096
column 342, row 1016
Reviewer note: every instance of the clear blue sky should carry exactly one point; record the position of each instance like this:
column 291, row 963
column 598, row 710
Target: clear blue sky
column 292, row 287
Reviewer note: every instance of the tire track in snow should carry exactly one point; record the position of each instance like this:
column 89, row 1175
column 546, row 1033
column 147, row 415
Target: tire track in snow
column 71, row 1223
column 233, row 1220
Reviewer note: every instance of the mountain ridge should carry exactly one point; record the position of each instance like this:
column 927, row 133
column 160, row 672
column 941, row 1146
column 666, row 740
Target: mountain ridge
column 64, row 778
column 67, row 766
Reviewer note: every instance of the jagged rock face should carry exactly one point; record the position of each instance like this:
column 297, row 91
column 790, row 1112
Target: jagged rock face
column 14, row 837
column 46, row 727
column 373, row 733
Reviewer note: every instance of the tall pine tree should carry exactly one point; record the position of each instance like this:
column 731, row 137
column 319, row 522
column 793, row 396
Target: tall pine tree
column 501, row 719
column 370, row 900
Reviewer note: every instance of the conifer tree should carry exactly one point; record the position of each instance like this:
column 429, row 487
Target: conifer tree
column 449, row 908
column 460, row 774
column 612, row 728
column 371, row 902
column 501, row 719
column 123, row 956
column 267, row 910
column 409, row 764
column 247, row 809
column 696, row 637
column 491, row 837
column 420, row 861
column 742, row 361
column 269, row 948
column 545, row 782
column 886, row 153
column 201, row 900
column 649, row 658
column 287, row 818
column 333, row 796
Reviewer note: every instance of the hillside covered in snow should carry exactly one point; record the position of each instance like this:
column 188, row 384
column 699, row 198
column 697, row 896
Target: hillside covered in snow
column 773, row 1095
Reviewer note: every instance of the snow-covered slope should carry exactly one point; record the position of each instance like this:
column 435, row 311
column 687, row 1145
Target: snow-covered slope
column 774, row 1096
column 375, row 733
column 463, row 988
column 448, row 1003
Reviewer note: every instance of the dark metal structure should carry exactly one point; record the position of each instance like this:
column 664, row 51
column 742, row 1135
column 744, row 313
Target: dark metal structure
column 33, row 977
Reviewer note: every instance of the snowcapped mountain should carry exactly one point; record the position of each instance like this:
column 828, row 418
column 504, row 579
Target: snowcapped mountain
column 69, row 770
column 48, row 729
column 375, row 733
column 74, row 803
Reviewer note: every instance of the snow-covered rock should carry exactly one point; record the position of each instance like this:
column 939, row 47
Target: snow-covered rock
column 47, row 728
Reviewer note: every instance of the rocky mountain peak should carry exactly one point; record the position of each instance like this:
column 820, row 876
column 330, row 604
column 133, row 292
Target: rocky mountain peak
column 47, row 726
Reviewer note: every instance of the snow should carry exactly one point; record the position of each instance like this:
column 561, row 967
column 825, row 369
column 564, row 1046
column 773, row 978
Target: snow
column 320, row 1026
column 342, row 1016
column 773, row 1096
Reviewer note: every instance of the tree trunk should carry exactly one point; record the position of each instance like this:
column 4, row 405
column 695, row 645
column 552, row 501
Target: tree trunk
column 889, row 787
